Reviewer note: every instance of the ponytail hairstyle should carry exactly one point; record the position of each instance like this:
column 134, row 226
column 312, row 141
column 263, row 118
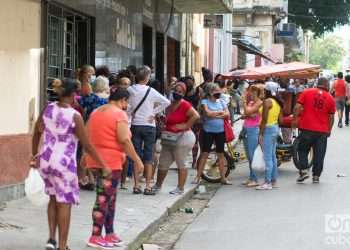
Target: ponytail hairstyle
column 268, row 94
column 64, row 88
column 118, row 94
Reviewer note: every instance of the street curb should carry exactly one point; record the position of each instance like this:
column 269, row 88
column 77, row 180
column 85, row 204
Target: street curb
column 154, row 226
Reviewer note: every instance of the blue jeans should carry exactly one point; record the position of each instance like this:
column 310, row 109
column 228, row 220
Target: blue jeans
column 269, row 149
column 251, row 143
column 144, row 138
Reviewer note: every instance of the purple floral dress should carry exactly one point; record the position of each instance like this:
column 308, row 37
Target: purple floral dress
column 58, row 165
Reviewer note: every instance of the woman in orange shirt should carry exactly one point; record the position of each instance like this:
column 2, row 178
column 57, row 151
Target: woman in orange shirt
column 109, row 133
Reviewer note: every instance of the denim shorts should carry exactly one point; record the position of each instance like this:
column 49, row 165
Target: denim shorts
column 144, row 138
column 340, row 103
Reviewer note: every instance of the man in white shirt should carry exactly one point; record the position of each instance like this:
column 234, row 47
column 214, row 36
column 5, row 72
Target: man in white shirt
column 144, row 104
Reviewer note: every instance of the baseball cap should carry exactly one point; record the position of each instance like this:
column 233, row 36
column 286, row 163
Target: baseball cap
column 272, row 87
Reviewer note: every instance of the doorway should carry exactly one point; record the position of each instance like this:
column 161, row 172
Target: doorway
column 173, row 58
column 70, row 42
column 160, row 59
column 147, row 43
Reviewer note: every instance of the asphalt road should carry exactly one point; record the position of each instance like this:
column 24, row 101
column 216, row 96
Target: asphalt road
column 294, row 216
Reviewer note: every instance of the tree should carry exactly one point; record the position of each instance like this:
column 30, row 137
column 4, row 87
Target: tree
column 327, row 52
column 319, row 16
column 295, row 56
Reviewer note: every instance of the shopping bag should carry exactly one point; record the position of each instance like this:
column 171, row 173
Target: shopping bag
column 34, row 188
column 258, row 162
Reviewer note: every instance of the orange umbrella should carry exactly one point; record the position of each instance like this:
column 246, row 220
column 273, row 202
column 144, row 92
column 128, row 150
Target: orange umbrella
column 286, row 70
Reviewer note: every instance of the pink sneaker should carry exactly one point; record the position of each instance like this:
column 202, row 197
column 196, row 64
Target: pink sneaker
column 114, row 239
column 100, row 243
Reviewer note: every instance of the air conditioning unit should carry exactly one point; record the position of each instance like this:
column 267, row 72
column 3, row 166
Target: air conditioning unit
column 288, row 29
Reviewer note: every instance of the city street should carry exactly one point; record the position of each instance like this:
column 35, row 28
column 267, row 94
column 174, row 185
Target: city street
column 290, row 217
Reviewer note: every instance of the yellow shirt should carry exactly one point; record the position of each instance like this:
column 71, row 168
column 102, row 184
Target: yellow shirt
column 274, row 112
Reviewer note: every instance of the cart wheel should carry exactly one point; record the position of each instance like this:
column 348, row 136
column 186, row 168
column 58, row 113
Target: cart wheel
column 296, row 160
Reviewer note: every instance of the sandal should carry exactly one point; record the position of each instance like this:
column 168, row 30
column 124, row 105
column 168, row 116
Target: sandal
column 87, row 187
column 196, row 181
column 252, row 184
column 148, row 191
column 137, row 190
column 226, row 182
column 123, row 187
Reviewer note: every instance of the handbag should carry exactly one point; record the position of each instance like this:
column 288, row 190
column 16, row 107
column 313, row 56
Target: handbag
column 170, row 138
column 229, row 134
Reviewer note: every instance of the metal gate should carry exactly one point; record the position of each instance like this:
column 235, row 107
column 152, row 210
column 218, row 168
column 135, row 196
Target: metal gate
column 68, row 41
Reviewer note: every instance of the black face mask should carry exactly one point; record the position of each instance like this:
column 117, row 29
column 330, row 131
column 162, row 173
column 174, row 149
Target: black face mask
column 217, row 95
column 189, row 88
column 177, row 97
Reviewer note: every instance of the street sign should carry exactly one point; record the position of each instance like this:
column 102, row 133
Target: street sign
column 213, row 21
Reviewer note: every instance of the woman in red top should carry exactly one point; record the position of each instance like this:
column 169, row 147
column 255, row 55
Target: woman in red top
column 180, row 117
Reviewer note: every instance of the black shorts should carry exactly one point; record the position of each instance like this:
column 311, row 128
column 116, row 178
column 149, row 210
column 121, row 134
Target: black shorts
column 209, row 138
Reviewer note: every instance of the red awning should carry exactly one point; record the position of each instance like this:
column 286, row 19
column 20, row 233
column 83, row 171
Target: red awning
column 287, row 70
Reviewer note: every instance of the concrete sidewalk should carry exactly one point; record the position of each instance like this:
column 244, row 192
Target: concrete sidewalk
column 24, row 226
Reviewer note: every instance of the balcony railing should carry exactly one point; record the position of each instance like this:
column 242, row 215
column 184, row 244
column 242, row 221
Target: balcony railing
column 260, row 6
column 203, row 6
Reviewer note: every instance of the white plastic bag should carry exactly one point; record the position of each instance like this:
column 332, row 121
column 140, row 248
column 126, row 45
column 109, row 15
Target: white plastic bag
column 258, row 162
column 34, row 188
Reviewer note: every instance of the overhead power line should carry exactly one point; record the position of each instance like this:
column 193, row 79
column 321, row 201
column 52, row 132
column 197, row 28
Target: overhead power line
column 319, row 17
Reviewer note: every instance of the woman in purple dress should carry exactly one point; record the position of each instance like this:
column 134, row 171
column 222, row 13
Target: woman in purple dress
column 62, row 127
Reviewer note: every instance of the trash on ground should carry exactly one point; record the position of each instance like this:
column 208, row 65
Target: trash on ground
column 150, row 247
column 201, row 189
column 187, row 210
column 341, row 175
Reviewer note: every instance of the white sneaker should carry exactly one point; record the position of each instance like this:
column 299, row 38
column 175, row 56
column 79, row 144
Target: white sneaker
column 265, row 186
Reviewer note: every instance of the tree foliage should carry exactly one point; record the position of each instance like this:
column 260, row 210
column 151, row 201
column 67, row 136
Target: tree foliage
column 327, row 52
column 295, row 56
column 319, row 16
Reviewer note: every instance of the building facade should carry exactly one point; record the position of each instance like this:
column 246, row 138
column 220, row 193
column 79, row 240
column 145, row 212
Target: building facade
column 48, row 39
column 219, row 49
column 255, row 21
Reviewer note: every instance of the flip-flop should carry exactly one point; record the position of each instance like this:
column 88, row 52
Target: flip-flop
column 148, row 191
column 137, row 190
column 226, row 182
column 196, row 181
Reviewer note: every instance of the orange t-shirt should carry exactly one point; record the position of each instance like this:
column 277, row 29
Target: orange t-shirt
column 102, row 130
column 340, row 88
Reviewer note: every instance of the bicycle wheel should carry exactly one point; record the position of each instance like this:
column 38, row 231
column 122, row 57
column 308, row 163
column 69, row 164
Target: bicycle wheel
column 211, row 172
column 296, row 159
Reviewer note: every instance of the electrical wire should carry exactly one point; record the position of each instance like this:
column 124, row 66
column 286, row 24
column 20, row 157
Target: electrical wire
column 171, row 16
column 319, row 17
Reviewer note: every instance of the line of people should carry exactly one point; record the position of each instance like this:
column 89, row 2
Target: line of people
column 104, row 127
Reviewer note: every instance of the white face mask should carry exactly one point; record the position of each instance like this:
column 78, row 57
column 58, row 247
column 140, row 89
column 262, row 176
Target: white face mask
column 92, row 78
